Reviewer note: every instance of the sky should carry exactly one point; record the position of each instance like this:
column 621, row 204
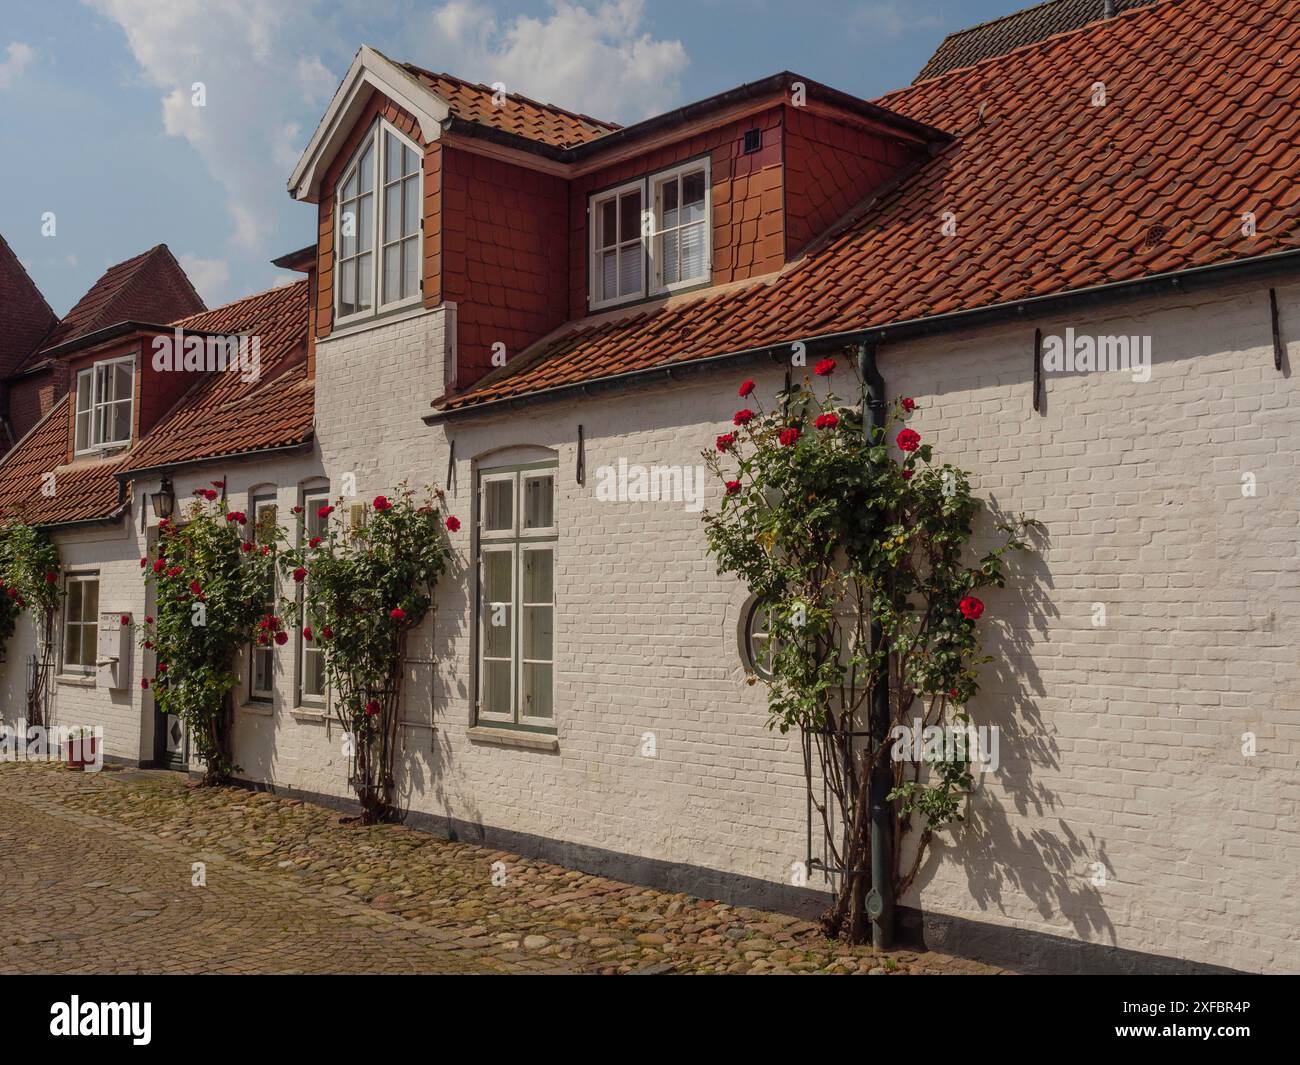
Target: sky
column 106, row 147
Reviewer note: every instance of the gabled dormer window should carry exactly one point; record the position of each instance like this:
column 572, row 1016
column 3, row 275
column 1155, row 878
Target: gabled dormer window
column 105, row 398
column 651, row 236
column 378, row 242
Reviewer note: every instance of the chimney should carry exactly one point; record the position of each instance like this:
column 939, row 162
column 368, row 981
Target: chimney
column 1108, row 10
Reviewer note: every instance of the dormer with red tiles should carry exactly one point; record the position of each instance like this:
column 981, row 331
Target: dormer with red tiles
column 517, row 217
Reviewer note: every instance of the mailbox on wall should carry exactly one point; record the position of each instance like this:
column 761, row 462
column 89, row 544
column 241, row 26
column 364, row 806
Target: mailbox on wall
column 113, row 654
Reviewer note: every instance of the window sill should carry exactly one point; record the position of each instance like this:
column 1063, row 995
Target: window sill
column 261, row 709
column 309, row 713
column 376, row 321
column 75, row 680
column 508, row 737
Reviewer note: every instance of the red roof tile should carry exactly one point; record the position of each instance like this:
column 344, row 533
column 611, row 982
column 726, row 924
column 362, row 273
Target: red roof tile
column 25, row 317
column 1051, row 194
column 519, row 115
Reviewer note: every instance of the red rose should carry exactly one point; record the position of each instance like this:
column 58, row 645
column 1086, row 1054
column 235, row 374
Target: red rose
column 827, row 421
column 971, row 608
column 314, row 542
column 126, row 619
column 381, row 503
column 196, row 588
column 281, row 638
column 164, row 523
column 733, row 487
column 51, row 578
column 324, row 512
column 148, row 646
column 909, row 404
column 952, row 693
column 908, row 439
column 372, row 707
column 725, row 441
column 144, row 562
column 144, row 683
column 246, row 546
column 148, row 619
column 907, row 475
column 326, row 633
column 265, row 550
column 746, row 389
column 263, row 640
column 159, row 564
column 175, row 571
column 300, row 574
column 209, row 494
column 453, row 523
column 297, row 510
column 824, row 368
column 162, row 667
column 742, row 417
column 233, row 516
column 276, row 623
column 397, row 614
column 218, row 484
column 789, row 436
column 306, row 633
column 12, row 593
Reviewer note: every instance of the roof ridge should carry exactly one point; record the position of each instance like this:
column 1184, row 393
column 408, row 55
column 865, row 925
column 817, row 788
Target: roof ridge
column 582, row 117
column 242, row 299
column 1088, row 27
column 140, row 262
column 30, row 280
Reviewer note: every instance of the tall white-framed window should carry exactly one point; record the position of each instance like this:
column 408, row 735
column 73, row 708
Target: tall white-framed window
column 378, row 232
column 651, row 236
column 261, row 664
column 618, row 224
column 105, row 399
column 681, row 251
column 80, row 622
column 517, row 533
column 311, row 656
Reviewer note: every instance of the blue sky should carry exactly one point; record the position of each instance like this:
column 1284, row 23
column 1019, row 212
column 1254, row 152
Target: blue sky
column 97, row 123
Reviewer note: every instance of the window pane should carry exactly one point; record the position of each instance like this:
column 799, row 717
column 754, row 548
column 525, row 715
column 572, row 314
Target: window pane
column 498, row 597
column 608, row 275
column 348, row 230
column 313, row 672
column 608, row 224
column 392, row 272
column 537, row 576
column 122, row 374
column 73, row 607
column 629, row 216
column 83, row 430
column 410, row 206
column 410, row 161
column 120, row 421
column 538, row 632
column 539, row 493
column 366, row 172
column 692, row 251
column 496, row 687
column 537, row 690
column 693, row 197
column 629, row 270
column 392, row 212
column 365, row 222
column 262, row 665
column 669, row 259
column 89, row 645
column 315, row 524
column 265, row 519
column 365, row 280
column 72, row 646
column 498, row 506
column 392, row 157
column 410, row 266
column 348, row 287
column 350, row 186
column 90, row 601
column 668, row 203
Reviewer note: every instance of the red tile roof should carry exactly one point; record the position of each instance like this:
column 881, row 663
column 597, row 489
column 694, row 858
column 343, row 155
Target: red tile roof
column 151, row 287
column 221, row 415
column 25, row 317
column 519, row 115
column 1051, row 194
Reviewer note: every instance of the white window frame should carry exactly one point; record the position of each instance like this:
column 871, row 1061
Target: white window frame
column 313, row 499
column 651, row 281
column 656, row 182
column 80, row 668
column 516, row 542
column 93, row 446
column 376, row 140
column 595, row 203
column 266, row 497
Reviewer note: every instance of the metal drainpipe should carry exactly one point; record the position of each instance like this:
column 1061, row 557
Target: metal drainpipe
column 880, row 900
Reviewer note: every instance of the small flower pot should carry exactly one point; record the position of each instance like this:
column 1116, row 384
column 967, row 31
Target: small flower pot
column 87, row 746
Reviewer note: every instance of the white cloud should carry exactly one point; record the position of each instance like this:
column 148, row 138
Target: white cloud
column 601, row 59
column 260, row 66
column 16, row 59
column 209, row 276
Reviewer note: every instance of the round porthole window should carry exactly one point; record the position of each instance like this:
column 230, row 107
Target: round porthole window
column 756, row 638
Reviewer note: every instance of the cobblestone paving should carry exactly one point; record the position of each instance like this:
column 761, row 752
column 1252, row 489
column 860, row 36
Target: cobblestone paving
column 95, row 876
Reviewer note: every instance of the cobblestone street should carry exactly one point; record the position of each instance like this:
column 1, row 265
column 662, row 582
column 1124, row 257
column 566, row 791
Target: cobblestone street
column 96, row 876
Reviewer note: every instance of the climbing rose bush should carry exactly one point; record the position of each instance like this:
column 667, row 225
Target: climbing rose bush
column 30, row 579
column 363, row 591
column 210, row 583
column 833, row 530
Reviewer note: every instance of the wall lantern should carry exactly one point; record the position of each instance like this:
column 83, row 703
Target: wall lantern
column 164, row 500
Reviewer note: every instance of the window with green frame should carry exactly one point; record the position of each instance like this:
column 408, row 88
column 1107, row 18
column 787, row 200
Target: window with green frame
column 515, row 553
